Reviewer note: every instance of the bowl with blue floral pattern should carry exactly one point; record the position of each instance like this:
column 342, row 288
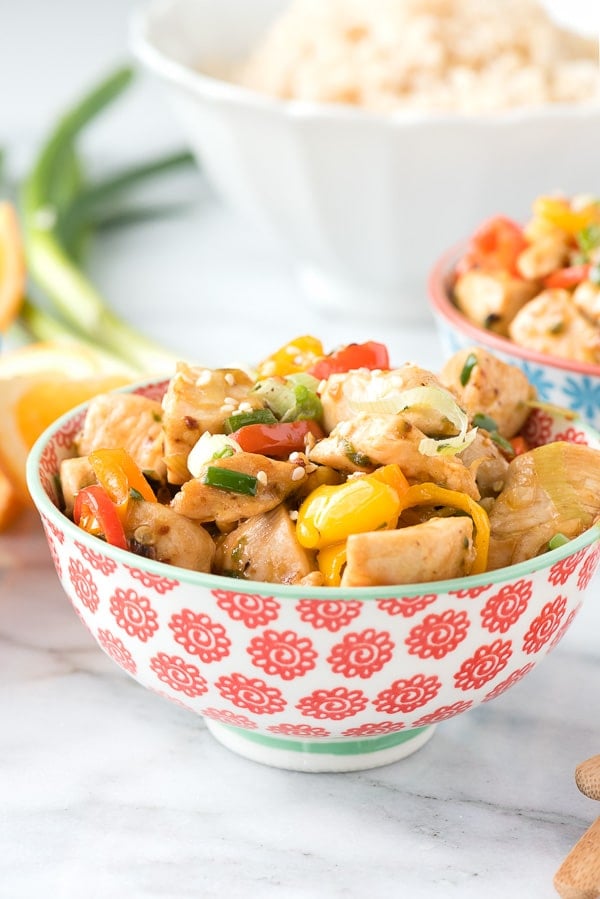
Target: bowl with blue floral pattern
column 568, row 383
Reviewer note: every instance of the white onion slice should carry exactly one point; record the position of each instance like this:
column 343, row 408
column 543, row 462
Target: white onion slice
column 208, row 447
column 425, row 398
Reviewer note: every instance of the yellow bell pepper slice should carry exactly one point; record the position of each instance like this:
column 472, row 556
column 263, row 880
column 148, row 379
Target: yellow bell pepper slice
column 118, row 474
column 297, row 355
column 371, row 502
column 559, row 213
column 428, row 494
column 331, row 561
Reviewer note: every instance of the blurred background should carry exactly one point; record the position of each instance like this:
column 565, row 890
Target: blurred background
column 208, row 258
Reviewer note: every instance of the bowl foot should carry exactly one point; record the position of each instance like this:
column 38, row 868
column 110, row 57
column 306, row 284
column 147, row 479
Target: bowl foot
column 296, row 754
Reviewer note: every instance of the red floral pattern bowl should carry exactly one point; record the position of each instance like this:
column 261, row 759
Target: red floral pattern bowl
column 315, row 678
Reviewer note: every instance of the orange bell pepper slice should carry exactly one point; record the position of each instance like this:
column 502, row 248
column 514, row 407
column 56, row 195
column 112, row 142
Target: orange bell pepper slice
column 119, row 475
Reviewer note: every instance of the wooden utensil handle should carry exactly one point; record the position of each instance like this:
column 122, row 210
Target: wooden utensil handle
column 579, row 875
column 587, row 777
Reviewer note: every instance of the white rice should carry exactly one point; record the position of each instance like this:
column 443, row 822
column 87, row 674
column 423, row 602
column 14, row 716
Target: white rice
column 468, row 56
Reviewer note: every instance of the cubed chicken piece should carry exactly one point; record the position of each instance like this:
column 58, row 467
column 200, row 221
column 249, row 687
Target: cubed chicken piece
column 157, row 532
column 436, row 549
column 128, row 421
column 199, row 400
column 586, row 298
column 492, row 299
column 75, row 474
column 341, row 391
column 493, row 388
column 552, row 324
column 543, row 256
column 275, row 481
column 368, row 441
column 265, row 548
column 485, row 461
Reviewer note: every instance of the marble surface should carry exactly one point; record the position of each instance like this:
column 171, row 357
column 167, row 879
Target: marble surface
column 107, row 790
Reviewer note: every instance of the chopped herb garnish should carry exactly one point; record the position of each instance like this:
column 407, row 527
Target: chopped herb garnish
column 135, row 494
column 241, row 419
column 234, row 481
column 357, row 458
column 470, row 363
column 488, row 424
column 556, row 541
column 588, row 239
column 484, row 421
column 503, row 443
column 223, row 453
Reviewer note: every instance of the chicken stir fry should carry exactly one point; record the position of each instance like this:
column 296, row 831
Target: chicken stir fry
column 539, row 285
column 330, row 469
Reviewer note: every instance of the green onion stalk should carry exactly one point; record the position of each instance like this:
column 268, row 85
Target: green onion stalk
column 59, row 212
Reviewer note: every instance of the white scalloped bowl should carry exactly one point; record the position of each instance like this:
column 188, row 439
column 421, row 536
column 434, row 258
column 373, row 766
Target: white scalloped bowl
column 562, row 382
column 314, row 679
column 362, row 203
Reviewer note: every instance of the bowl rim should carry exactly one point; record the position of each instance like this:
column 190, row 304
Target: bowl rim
column 439, row 298
column 213, row 88
column 46, row 508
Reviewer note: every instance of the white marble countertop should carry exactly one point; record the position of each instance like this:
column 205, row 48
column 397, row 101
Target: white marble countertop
column 107, row 790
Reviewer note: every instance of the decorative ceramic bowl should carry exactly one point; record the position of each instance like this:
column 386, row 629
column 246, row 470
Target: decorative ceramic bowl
column 306, row 678
column 563, row 382
column 362, row 202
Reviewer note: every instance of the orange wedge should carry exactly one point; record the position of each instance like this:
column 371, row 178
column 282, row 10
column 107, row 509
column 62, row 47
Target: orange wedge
column 10, row 503
column 29, row 404
column 12, row 266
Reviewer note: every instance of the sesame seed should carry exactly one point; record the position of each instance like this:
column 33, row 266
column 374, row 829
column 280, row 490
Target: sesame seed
column 294, row 515
column 229, row 378
column 203, row 378
column 227, row 409
column 298, row 473
column 293, row 456
column 230, row 401
column 245, row 407
column 261, row 477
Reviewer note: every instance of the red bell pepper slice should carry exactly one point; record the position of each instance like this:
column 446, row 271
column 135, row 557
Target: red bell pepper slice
column 370, row 355
column 495, row 246
column 568, row 277
column 279, row 439
column 94, row 512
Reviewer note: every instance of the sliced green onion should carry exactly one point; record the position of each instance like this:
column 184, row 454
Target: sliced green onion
column 135, row 494
column 241, row 419
column 484, row 421
column 49, row 263
column 234, row 481
column 470, row 363
column 503, row 443
column 557, row 540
